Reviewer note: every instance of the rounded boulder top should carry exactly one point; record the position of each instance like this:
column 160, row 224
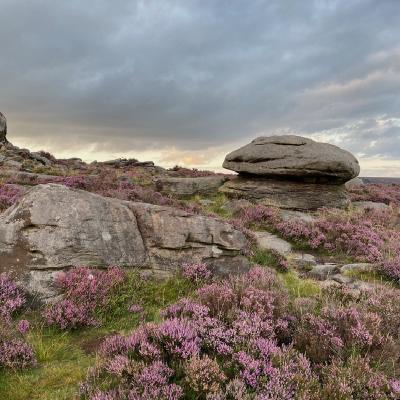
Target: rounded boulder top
column 296, row 157
column 3, row 128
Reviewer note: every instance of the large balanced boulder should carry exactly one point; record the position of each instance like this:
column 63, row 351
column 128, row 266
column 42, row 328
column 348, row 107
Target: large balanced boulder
column 3, row 128
column 54, row 227
column 185, row 187
column 291, row 156
column 291, row 195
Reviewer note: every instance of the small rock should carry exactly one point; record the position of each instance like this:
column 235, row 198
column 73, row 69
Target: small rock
column 357, row 267
column 14, row 165
column 268, row 241
column 354, row 183
column 38, row 157
column 342, row 279
column 303, row 261
column 323, row 271
column 206, row 202
column 289, row 215
column 369, row 205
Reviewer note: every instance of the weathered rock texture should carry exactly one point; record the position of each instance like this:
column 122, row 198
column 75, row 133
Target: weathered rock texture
column 291, row 156
column 53, row 227
column 3, row 128
column 183, row 187
column 286, row 194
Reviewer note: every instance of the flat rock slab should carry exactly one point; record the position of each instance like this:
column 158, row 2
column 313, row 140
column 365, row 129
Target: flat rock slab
column 369, row 205
column 290, row 215
column 286, row 194
column 324, row 271
column 342, row 279
column 302, row 261
column 269, row 241
column 53, row 227
column 357, row 267
column 292, row 156
column 184, row 187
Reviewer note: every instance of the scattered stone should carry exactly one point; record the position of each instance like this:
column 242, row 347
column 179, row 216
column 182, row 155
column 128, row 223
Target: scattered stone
column 43, row 160
column 289, row 215
column 53, row 227
column 206, row 202
column 292, row 156
column 342, row 279
column 354, row 183
column 3, row 128
column 286, row 194
column 124, row 162
column 184, row 187
column 302, row 261
column 323, row 271
column 369, row 205
column 235, row 206
column 357, row 267
column 268, row 241
column 12, row 164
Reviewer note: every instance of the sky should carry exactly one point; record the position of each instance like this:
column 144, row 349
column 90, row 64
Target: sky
column 185, row 82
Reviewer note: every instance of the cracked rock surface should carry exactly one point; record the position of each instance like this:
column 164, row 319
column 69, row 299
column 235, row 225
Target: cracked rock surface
column 54, row 227
column 290, row 156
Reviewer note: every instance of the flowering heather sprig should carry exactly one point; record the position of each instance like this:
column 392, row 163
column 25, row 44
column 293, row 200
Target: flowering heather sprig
column 179, row 338
column 16, row 354
column 136, row 309
column 196, row 272
column 23, row 326
column 12, row 297
column 204, row 375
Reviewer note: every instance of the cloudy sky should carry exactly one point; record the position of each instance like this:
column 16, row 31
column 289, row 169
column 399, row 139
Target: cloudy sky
column 187, row 81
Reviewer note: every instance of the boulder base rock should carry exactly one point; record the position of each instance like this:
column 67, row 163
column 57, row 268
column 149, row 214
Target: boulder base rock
column 271, row 242
column 291, row 157
column 184, row 187
column 286, row 194
column 54, row 227
column 3, row 128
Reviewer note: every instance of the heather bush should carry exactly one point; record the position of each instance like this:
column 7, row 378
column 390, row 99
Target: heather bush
column 196, row 272
column 355, row 379
column 370, row 235
column 12, row 297
column 15, row 353
column 84, row 292
column 383, row 193
column 243, row 338
column 9, row 194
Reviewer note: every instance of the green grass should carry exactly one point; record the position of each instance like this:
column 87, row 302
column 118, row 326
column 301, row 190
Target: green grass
column 64, row 357
column 374, row 277
column 265, row 258
column 218, row 205
column 62, row 364
column 299, row 287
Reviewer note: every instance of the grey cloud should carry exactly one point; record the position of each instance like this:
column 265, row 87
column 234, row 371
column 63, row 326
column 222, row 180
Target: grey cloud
column 146, row 74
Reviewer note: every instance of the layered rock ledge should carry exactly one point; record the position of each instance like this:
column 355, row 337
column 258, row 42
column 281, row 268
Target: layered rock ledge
column 54, row 227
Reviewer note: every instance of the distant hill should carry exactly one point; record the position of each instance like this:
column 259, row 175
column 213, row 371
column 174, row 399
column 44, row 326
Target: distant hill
column 384, row 180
